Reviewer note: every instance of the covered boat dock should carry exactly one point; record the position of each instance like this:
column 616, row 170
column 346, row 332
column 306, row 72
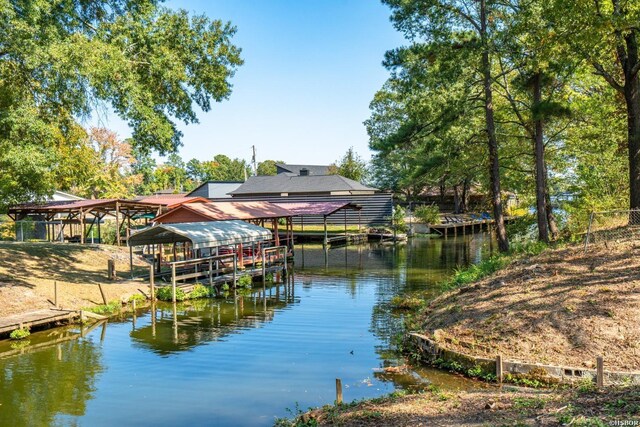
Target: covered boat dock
column 212, row 250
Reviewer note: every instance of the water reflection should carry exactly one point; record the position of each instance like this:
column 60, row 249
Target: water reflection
column 240, row 360
column 183, row 326
column 54, row 380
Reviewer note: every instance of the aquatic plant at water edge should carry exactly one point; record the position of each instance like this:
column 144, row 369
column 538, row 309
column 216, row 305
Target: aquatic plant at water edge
column 199, row 291
column 245, row 282
column 165, row 293
column 20, row 334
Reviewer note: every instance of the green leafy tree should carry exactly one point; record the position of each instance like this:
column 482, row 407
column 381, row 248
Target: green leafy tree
column 268, row 167
column 443, row 27
column 59, row 60
column 606, row 34
column 351, row 166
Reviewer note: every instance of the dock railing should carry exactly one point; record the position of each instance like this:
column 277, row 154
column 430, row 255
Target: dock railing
column 195, row 264
column 268, row 255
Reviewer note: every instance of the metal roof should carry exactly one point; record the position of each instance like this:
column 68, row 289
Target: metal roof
column 316, row 208
column 284, row 183
column 171, row 200
column 205, row 234
column 225, row 211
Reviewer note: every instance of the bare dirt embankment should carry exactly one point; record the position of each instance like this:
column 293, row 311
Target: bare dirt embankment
column 489, row 407
column 563, row 307
column 28, row 272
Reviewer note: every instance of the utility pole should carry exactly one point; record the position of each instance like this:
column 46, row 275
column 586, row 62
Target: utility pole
column 253, row 160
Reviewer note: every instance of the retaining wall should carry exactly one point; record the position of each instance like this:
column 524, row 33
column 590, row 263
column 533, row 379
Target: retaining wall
column 432, row 351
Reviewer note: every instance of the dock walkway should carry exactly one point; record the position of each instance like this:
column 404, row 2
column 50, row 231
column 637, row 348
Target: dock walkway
column 36, row 318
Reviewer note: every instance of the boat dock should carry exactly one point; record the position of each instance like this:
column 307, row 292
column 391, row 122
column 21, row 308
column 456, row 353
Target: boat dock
column 37, row 318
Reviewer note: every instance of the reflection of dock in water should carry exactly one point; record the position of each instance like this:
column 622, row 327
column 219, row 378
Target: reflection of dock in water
column 180, row 326
column 63, row 335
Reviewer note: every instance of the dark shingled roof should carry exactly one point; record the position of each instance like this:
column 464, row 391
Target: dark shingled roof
column 295, row 169
column 292, row 184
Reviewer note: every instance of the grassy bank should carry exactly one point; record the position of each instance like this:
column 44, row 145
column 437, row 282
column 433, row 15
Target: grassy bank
column 490, row 407
column 28, row 272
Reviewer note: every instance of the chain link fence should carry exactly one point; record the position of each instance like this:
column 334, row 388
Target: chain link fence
column 611, row 227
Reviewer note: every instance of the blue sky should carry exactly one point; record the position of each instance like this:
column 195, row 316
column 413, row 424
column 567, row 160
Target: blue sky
column 311, row 69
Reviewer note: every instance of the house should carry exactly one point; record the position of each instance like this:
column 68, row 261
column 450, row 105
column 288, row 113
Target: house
column 282, row 168
column 375, row 207
column 215, row 189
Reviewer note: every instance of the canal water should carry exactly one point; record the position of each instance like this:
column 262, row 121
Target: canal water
column 237, row 361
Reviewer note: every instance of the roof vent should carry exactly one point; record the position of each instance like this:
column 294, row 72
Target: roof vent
column 304, row 172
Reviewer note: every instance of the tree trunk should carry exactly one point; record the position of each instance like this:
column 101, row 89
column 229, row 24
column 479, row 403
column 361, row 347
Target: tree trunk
column 456, row 199
column 632, row 98
column 538, row 150
column 464, row 203
column 494, row 165
column 551, row 219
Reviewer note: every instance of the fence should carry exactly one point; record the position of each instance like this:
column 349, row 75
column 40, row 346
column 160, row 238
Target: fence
column 53, row 231
column 611, row 227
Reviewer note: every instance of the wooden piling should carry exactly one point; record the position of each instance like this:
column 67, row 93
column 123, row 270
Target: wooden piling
column 499, row 369
column 152, row 290
column 600, row 372
column 338, row 391
column 173, row 283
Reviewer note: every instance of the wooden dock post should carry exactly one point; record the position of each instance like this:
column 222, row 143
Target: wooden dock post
column 211, row 275
column 152, row 286
column 499, row 369
column 338, row 391
column 264, row 265
column 600, row 372
column 235, row 269
column 173, row 283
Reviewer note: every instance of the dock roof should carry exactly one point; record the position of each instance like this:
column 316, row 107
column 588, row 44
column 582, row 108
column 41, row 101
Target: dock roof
column 316, row 208
column 204, row 234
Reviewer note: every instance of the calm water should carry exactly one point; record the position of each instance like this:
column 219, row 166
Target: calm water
column 235, row 362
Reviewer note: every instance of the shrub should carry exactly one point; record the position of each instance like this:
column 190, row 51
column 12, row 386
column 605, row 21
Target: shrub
column 399, row 222
column 106, row 309
column 138, row 298
column 428, row 214
column 20, row 334
column 165, row 293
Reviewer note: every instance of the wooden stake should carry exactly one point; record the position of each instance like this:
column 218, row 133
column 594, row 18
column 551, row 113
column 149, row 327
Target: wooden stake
column 104, row 298
column 499, row 369
column 111, row 269
column 600, row 372
column 338, row 391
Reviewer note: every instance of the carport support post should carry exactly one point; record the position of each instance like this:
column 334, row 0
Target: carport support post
column 118, row 223
column 211, row 275
column 325, row 243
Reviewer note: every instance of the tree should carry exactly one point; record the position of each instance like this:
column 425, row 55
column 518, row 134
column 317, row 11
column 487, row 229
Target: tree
column 438, row 26
column 111, row 175
column 59, row 60
column 605, row 33
column 268, row 167
column 350, row 166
